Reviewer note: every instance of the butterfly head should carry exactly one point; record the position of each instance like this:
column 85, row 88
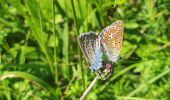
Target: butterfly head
column 108, row 66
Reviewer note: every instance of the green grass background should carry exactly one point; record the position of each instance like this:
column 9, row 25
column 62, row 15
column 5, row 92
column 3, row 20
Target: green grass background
column 40, row 57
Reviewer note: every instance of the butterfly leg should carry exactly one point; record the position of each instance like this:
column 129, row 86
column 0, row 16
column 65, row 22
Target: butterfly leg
column 100, row 75
column 103, row 74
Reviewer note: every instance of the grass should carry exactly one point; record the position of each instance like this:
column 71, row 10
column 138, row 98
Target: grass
column 40, row 56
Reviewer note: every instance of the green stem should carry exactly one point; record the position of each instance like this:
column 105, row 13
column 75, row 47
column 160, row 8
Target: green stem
column 150, row 82
column 55, row 52
column 42, row 46
column 77, row 31
column 54, row 34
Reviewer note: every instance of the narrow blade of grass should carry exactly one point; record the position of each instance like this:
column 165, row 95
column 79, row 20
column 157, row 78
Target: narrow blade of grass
column 150, row 82
column 32, row 78
column 77, row 31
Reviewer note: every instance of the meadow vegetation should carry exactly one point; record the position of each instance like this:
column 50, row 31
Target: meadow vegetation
column 40, row 56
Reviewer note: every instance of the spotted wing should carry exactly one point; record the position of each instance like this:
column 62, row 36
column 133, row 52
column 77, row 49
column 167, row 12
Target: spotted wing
column 111, row 40
column 91, row 48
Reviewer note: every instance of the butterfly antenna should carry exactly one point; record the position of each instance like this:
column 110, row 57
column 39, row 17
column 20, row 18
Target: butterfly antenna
column 89, row 88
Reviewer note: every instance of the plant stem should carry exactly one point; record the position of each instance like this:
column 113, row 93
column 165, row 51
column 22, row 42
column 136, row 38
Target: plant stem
column 89, row 88
column 54, row 34
column 150, row 82
column 77, row 31
column 55, row 52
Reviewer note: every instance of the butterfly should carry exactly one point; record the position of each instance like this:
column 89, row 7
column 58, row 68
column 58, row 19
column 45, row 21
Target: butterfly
column 108, row 43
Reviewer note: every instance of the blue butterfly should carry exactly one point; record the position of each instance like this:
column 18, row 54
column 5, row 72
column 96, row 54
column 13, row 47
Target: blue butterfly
column 109, row 42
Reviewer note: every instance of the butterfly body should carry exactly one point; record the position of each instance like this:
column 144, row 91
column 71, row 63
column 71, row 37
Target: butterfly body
column 108, row 43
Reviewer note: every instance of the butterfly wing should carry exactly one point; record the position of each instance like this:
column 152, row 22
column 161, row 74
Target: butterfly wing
column 91, row 48
column 111, row 40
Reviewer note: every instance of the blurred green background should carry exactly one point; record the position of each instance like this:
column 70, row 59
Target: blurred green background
column 40, row 57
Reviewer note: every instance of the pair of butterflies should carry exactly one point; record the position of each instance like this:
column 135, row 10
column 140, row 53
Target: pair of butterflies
column 108, row 43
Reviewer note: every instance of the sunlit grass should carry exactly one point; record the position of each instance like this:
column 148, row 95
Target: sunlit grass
column 39, row 46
